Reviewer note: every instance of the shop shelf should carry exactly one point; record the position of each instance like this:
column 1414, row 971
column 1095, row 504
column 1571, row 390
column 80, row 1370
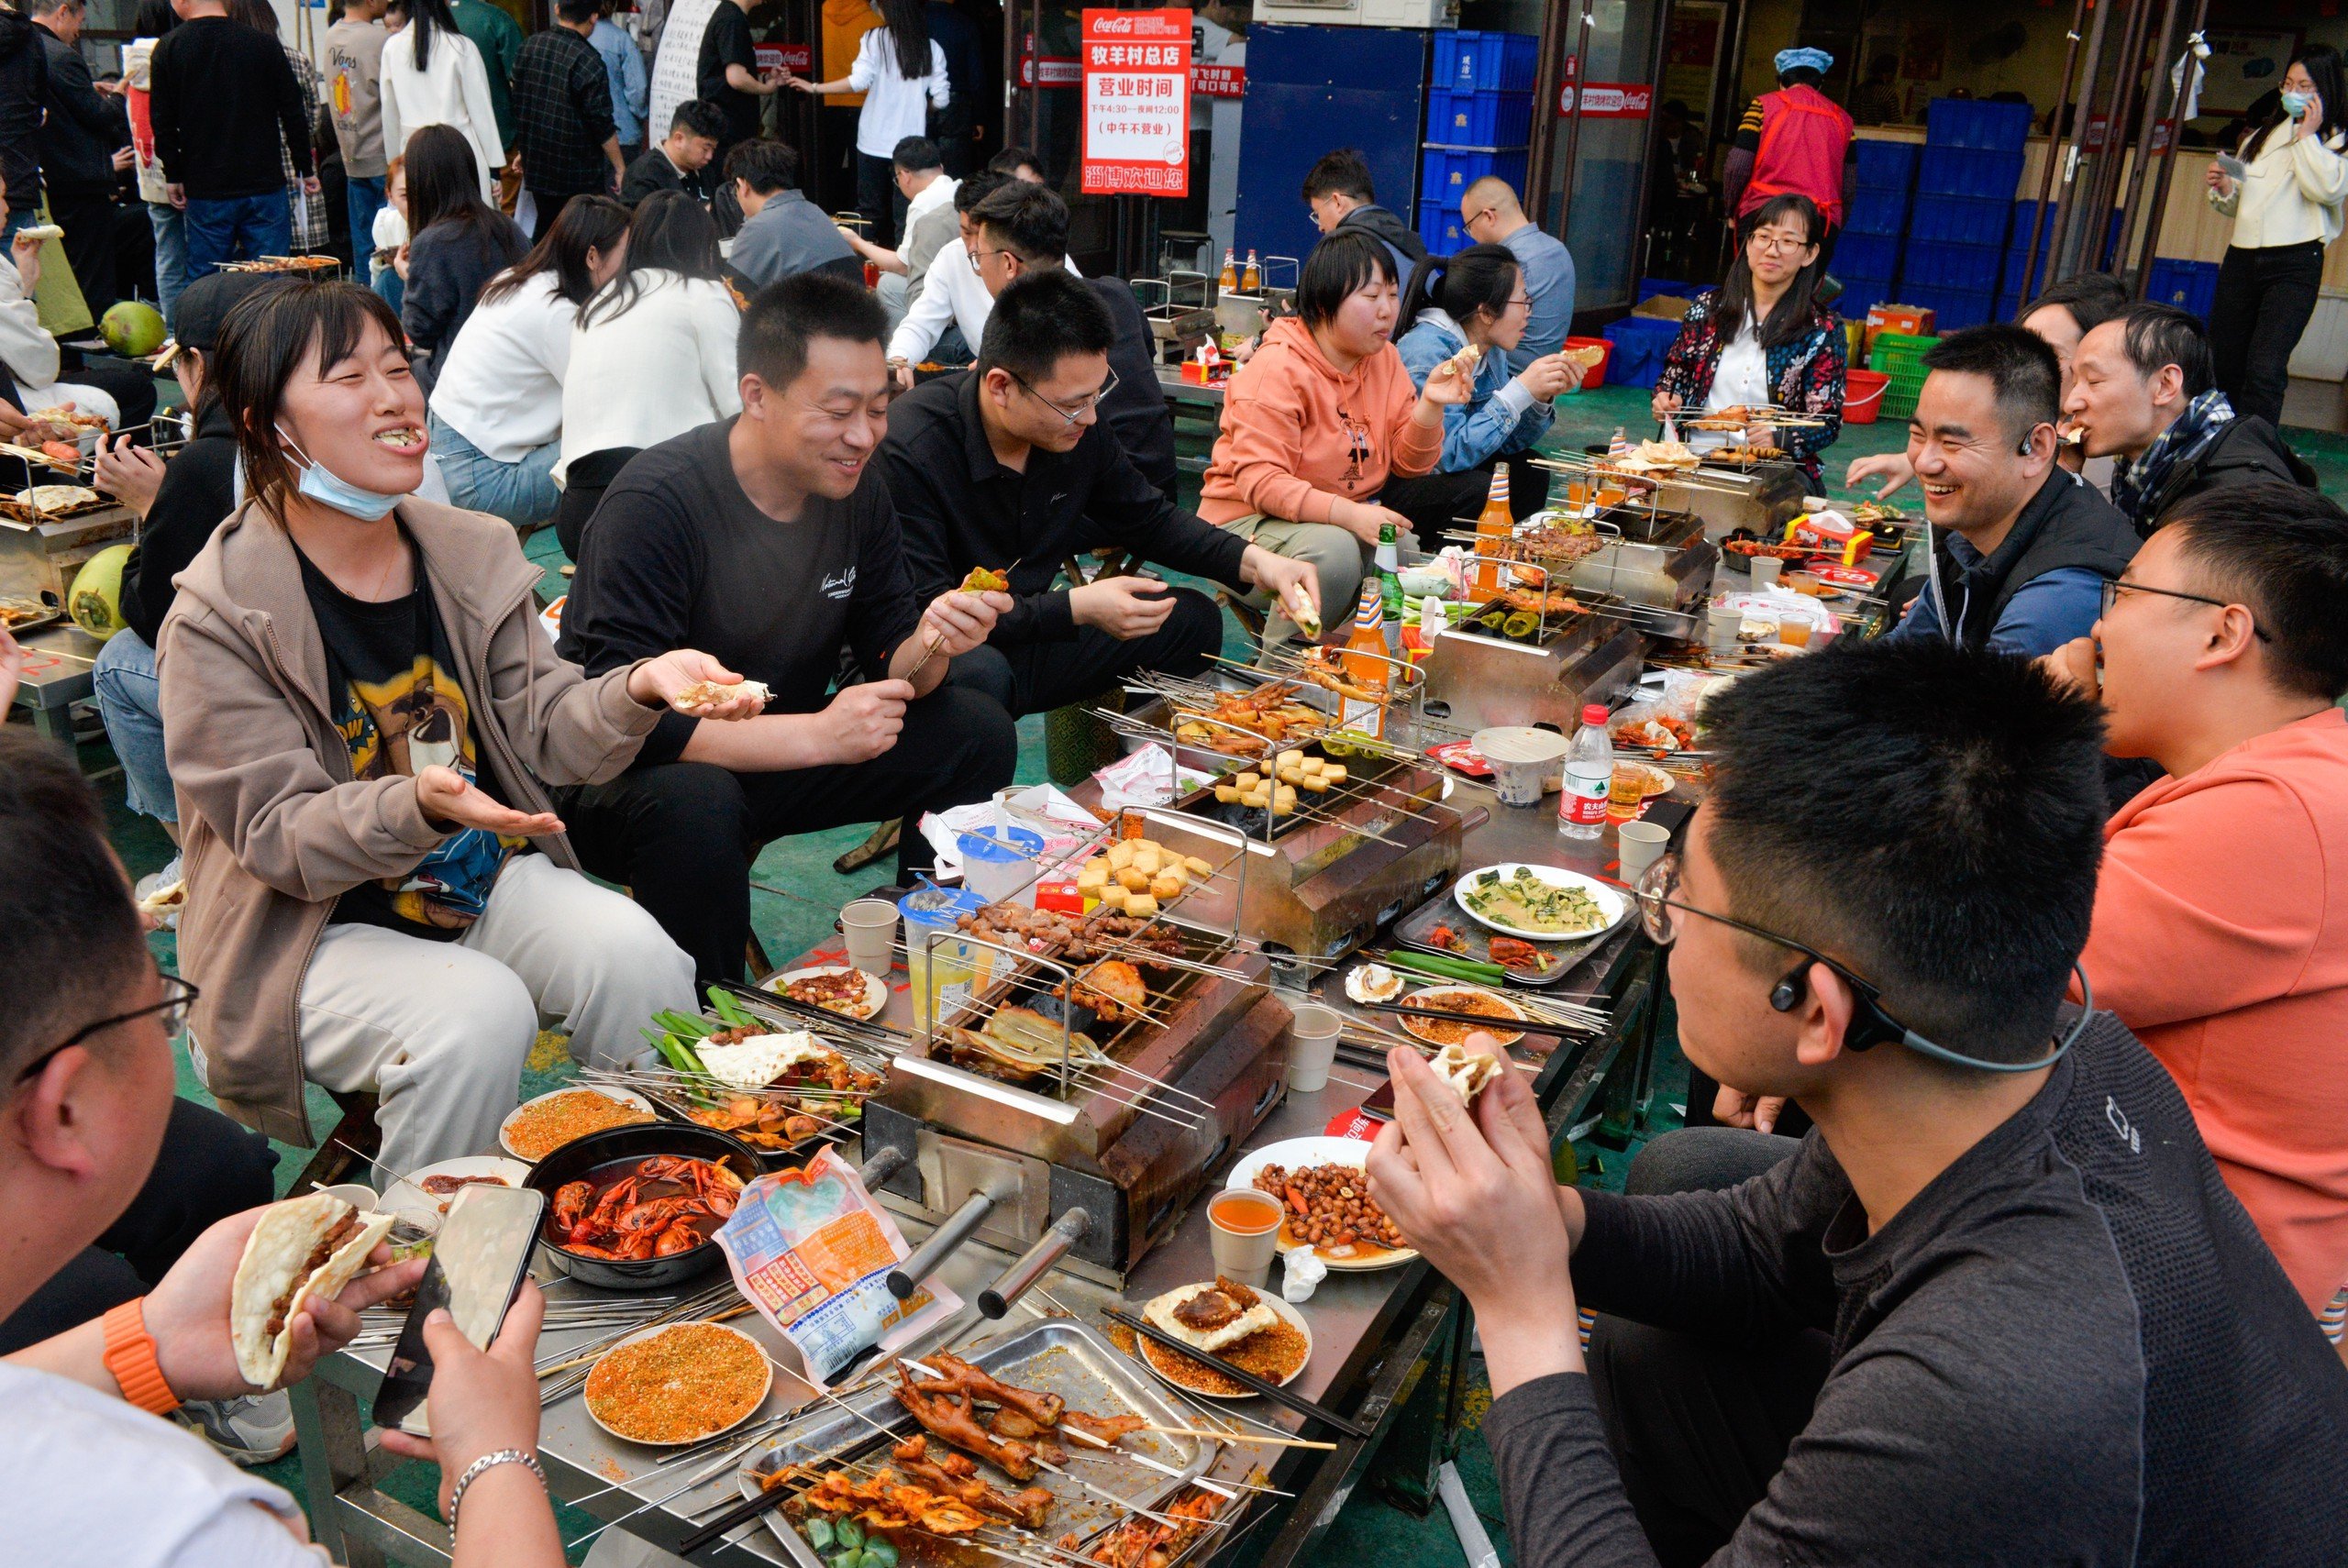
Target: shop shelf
column 1973, row 122
column 1479, row 118
column 1470, row 61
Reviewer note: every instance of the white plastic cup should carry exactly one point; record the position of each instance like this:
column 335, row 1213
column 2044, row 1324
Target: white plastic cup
column 1766, row 569
column 1641, row 845
column 1313, row 1047
column 870, row 927
column 1244, row 1235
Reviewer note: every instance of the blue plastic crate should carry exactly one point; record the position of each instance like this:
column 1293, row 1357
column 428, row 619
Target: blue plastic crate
column 2188, row 285
column 1640, row 344
column 2009, row 305
column 1886, row 165
column 1466, row 60
column 1859, row 293
column 1876, row 212
column 1479, row 118
column 1953, row 309
column 1973, row 122
column 1969, row 171
column 1961, row 220
column 2018, row 239
column 1650, row 287
column 1866, row 256
column 1440, row 229
column 1928, row 265
column 1445, row 172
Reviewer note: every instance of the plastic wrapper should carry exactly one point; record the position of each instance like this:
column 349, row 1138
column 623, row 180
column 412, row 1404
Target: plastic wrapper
column 811, row 1251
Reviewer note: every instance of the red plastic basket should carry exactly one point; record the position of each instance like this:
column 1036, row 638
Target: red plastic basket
column 1863, row 395
column 1594, row 377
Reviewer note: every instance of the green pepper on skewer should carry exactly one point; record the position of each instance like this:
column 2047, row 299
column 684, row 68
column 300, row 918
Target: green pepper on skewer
column 1446, row 968
column 729, row 1010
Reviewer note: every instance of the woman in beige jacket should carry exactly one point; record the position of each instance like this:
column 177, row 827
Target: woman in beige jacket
column 362, row 715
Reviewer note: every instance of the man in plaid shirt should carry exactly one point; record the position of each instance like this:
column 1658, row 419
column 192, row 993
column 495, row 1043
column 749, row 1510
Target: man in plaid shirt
column 562, row 112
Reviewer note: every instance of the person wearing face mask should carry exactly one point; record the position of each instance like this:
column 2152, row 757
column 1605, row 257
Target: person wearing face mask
column 2220, row 931
column 2144, row 391
column 771, row 536
column 2285, row 191
column 1762, row 338
column 2019, row 547
column 2059, row 317
column 1318, row 420
column 1478, row 298
column 363, row 716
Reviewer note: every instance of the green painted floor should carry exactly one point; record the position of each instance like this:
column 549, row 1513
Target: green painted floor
column 796, row 895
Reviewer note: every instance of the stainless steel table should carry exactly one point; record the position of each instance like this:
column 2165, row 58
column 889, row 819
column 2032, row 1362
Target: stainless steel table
column 1390, row 1346
column 56, row 676
column 1194, row 401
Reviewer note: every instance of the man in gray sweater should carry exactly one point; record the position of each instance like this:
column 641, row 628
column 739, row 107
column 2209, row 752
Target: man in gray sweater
column 1998, row 1307
column 782, row 231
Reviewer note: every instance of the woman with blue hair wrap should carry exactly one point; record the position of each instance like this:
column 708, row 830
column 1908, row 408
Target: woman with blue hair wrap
column 1795, row 141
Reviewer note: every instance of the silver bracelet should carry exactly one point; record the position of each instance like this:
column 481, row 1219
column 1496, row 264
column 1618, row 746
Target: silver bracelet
column 489, row 1461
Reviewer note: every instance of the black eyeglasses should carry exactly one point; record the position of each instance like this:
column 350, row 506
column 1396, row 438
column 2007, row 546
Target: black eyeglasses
column 2113, row 588
column 180, row 995
column 1091, row 405
column 1871, row 1023
column 974, row 256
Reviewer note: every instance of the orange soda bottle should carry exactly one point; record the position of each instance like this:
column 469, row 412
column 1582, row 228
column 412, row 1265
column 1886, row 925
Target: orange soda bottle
column 1251, row 279
column 1230, row 279
column 1364, row 656
column 1495, row 526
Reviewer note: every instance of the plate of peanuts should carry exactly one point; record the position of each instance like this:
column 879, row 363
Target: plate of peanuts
column 1324, row 1190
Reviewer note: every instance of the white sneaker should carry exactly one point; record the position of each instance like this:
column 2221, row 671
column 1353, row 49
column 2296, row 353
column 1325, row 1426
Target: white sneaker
column 251, row 1430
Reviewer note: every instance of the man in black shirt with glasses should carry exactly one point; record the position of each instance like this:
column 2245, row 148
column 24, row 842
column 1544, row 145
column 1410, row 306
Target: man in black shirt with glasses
column 1009, row 466
column 1998, row 1307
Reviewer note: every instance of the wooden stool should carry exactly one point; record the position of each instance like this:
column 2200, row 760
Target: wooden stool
column 351, row 1142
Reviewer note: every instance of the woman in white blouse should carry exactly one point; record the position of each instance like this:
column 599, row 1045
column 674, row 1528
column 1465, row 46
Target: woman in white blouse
column 497, row 406
column 433, row 76
column 2285, row 196
column 901, row 73
column 652, row 356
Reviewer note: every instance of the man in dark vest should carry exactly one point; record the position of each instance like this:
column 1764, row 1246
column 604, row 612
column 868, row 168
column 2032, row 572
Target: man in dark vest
column 2022, row 547
column 2143, row 393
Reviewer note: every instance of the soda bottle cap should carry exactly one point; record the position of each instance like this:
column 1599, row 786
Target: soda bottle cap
column 1594, row 713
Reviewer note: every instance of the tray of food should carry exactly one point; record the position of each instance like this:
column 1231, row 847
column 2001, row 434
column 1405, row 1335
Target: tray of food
column 778, row 1089
column 1464, row 999
column 1541, row 903
column 835, row 987
column 1252, row 1329
column 957, row 1464
column 536, row 1128
column 679, row 1383
column 18, row 616
column 1436, row 927
column 1320, row 1183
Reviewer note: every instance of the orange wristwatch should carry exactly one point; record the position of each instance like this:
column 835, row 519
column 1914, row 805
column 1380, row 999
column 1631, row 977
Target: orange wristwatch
column 130, row 1357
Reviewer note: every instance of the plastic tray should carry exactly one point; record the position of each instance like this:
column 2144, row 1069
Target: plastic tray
column 1413, row 929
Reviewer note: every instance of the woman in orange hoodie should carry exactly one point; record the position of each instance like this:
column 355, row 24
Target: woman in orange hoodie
column 1318, row 418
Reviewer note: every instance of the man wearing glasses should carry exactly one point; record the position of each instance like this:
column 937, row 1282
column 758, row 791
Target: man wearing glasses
column 1999, row 1307
column 2220, row 931
column 1008, row 465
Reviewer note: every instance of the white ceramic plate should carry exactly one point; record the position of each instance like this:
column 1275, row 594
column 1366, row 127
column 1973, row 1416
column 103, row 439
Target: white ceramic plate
column 1145, row 1348
column 765, row 1363
column 407, row 1198
column 1436, row 996
column 1294, row 1152
column 876, row 995
column 1610, row 901
column 626, row 1096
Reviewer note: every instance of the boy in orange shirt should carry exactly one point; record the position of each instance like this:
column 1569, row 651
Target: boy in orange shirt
column 2221, row 930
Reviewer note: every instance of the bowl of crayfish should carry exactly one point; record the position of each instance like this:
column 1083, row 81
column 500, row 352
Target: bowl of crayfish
column 634, row 1207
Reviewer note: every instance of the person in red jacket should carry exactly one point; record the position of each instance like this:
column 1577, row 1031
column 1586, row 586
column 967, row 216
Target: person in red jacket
column 1796, row 141
column 2221, row 929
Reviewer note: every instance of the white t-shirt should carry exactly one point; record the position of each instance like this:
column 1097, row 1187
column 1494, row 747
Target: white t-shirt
column 94, row 1483
column 893, row 108
column 953, row 294
column 664, row 366
column 500, row 386
column 1742, row 377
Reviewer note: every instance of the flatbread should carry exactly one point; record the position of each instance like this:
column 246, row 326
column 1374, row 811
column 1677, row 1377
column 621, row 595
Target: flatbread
column 41, row 231
column 703, row 695
column 56, row 497
column 1463, row 362
column 280, row 1244
column 1467, row 1072
column 756, row 1062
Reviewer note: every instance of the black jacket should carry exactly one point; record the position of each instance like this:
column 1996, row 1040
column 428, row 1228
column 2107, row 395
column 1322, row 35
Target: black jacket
column 960, row 508
column 224, row 99
column 447, row 266
column 2248, row 451
column 2067, row 524
column 79, row 138
column 198, row 491
column 1400, row 239
column 24, row 89
column 652, row 172
column 1137, row 411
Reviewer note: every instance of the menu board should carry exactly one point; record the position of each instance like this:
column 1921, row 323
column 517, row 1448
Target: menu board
column 1136, row 102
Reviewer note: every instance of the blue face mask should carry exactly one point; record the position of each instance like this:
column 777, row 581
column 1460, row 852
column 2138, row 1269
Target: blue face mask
column 329, row 489
column 2294, row 103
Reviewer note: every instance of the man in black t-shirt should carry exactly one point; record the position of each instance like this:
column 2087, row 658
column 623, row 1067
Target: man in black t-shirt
column 767, row 536
column 727, row 73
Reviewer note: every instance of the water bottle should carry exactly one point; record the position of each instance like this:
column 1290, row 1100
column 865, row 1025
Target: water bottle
column 1589, row 769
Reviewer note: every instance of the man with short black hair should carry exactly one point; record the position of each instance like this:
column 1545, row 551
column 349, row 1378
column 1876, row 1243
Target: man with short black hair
column 562, row 112
column 2143, row 391
column 1999, row 1307
column 1007, row 466
column 954, row 300
column 681, row 161
column 2220, row 931
column 2020, row 547
column 1338, row 190
column 768, row 537
column 1018, row 163
column 1023, row 229
column 782, row 232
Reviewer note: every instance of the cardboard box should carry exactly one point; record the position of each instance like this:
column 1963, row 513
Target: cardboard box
column 1914, row 320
